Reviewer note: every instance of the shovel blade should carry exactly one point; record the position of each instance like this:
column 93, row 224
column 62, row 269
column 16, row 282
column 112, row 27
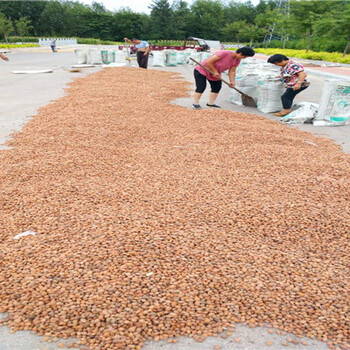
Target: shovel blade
column 248, row 101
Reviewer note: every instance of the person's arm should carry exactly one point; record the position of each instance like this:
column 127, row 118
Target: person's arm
column 128, row 40
column 301, row 78
column 3, row 57
column 232, row 76
column 210, row 64
column 146, row 50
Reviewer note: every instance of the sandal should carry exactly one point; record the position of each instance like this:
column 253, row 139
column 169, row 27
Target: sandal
column 280, row 114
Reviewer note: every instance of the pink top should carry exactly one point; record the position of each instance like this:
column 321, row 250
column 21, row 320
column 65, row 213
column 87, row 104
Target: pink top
column 225, row 62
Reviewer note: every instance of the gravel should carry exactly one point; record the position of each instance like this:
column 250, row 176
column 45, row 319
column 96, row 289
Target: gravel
column 153, row 221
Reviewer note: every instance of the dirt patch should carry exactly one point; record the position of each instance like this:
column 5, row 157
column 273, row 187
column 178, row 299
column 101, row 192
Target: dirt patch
column 154, row 221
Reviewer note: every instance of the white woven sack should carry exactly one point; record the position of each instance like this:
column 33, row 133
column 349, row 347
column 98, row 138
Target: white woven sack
column 248, row 85
column 120, row 58
column 158, row 59
column 94, row 56
column 180, row 57
column 187, row 56
column 171, row 58
column 196, row 56
column 81, row 56
column 206, row 55
column 269, row 94
column 335, row 104
column 111, row 56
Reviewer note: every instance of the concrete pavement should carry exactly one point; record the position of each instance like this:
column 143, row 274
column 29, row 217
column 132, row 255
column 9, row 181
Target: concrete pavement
column 22, row 95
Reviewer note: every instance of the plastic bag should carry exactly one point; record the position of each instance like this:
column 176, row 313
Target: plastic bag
column 304, row 112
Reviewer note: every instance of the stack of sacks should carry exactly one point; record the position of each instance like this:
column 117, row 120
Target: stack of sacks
column 196, row 56
column 260, row 81
column 181, row 57
column 188, row 53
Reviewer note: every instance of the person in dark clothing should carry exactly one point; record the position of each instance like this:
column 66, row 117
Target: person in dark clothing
column 53, row 45
column 142, row 51
column 294, row 77
column 219, row 62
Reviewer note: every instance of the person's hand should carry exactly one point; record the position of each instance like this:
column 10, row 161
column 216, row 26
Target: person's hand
column 232, row 83
column 297, row 86
column 145, row 53
column 216, row 75
column 126, row 39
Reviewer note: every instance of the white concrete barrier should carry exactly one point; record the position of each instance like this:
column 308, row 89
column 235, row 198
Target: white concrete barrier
column 59, row 41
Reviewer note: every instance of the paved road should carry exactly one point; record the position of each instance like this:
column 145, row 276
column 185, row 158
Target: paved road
column 22, row 95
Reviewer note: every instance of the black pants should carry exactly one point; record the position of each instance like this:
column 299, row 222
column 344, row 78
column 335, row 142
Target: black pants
column 142, row 59
column 288, row 97
column 201, row 83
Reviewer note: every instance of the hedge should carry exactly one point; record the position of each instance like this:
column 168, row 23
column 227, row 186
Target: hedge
column 26, row 39
column 13, row 46
column 92, row 41
column 310, row 55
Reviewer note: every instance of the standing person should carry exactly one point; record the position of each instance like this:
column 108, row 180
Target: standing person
column 142, row 51
column 294, row 78
column 53, row 45
column 217, row 63
column 3, row 57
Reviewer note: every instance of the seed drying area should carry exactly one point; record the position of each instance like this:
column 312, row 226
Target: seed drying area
column 136, row 219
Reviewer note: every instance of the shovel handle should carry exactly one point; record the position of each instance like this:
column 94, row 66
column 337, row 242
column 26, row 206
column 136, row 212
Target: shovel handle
column 208, row 70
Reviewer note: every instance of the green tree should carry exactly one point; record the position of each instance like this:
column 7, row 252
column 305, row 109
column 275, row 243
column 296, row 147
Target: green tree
column 180, row 20
column 23, row 26
column 160, row 18
column 285, row 25
column 250, row 32
column 98, row 7
column 307, row 13
column 53, row 19
column 336, row 24
column 6, row 27
column 234, row 30
column 32, row 10
column 130, row 24
column 236, row 11
column 267, row 21
column 207, row 19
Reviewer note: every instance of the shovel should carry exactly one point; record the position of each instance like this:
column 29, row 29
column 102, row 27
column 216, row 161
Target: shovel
column 246, row 99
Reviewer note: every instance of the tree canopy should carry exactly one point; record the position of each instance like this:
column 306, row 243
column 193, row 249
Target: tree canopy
column 320, row 25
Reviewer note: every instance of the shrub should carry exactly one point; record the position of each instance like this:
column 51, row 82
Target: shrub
column 12, row 46
column 26, row 39
column 92, row 41
column 166, row 42
column 311, row 55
